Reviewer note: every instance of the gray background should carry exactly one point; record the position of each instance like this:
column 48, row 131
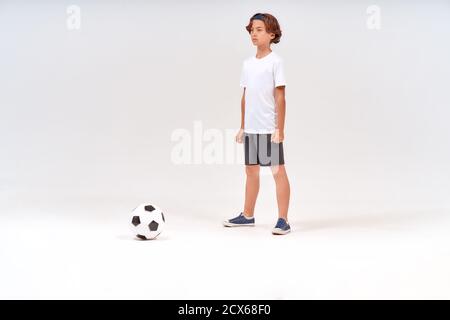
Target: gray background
column 86, row 116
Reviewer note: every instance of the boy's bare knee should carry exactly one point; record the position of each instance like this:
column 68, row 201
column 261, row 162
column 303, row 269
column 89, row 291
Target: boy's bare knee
column 252, row 170
column 278, row 171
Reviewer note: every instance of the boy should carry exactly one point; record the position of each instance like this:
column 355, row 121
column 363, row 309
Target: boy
column 263, row 109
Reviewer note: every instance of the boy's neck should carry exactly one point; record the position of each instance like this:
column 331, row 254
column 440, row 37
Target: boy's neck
column 261, row 52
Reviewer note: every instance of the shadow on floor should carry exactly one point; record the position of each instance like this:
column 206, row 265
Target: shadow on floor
column 382, row 220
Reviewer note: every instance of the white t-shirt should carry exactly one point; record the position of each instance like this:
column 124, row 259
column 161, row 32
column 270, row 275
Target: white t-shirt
column 260, row 77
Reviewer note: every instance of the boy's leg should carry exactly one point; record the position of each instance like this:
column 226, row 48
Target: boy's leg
column 251, row 189
column 283, row 190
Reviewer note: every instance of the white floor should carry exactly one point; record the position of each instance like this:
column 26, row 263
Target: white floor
column 392, row 255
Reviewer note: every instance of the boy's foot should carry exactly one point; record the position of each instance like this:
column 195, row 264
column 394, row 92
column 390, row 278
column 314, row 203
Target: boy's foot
column 282, row 227
column 240, row 221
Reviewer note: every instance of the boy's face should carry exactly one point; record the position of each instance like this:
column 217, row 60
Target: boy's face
column 259, row 35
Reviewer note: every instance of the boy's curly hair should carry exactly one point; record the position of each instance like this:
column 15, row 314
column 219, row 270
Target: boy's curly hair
column 271, row 23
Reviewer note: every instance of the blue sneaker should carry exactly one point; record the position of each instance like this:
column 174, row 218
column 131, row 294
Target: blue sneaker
column 240, row 221
column 282, row 227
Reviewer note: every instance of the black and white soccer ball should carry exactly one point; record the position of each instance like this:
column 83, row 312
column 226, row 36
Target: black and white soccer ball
column 147, row 221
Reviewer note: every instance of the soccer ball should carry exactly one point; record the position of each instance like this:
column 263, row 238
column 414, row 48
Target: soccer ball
column 147, row 221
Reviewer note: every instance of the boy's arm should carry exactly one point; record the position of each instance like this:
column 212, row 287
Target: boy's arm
column 280, row 103
column 242, row 110
column 240, row 134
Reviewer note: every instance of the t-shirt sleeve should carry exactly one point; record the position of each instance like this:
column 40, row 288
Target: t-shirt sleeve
column 243, row 82
column 278, row 74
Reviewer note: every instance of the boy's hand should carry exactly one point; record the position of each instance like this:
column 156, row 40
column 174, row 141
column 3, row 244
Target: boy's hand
column 239, row 136
column 277, row 136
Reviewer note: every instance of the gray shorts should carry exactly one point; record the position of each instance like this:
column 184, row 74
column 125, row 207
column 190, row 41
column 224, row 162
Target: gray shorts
column 260, row 150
